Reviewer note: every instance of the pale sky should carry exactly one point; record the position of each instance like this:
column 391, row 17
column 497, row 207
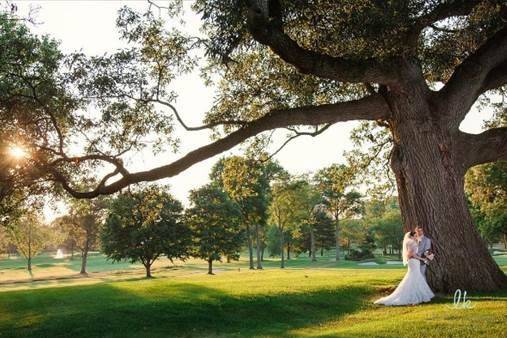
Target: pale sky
column 90, row 26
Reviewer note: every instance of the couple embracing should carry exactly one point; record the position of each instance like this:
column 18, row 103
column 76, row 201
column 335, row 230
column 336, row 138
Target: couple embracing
column 413, row 289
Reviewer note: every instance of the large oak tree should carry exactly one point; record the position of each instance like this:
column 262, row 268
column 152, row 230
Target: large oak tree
column 416, row 66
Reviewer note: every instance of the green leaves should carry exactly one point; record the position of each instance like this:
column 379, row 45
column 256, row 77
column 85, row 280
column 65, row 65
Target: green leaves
column 31, row 236
column 335, row 183
column 145, row 224
column 215, row 223
column 486, row 187
column 370, row 159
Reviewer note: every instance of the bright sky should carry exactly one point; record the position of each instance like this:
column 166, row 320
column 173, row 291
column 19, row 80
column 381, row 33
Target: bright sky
column 90, row 26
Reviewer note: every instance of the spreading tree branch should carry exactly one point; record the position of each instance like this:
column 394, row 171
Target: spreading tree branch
column 496, row 78
column 372, row 107
column 468, row 80
column 266, row 27
column 489, row 146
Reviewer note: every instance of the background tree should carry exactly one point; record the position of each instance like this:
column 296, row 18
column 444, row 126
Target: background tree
column 486, row 187
column 241, row 179
column 324, row 231
column 70, row 233
column 215, row 222
column 143, row 225
column 335, row 182
column 365, row 245
column 246, row 179
column 291, row 205
column 352, row 231
column 5, row 241
column 81, row 226
column 388, row 232
column 281, row 211
column 30, row 236
column 311, row 216
column 273, row 240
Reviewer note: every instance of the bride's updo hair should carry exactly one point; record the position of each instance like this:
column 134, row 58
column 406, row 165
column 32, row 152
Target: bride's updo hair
column 411, row 234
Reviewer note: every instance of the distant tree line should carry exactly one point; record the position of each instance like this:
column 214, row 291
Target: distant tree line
column 250, row 203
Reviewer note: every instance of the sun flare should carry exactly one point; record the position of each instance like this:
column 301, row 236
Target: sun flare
column 17, row 152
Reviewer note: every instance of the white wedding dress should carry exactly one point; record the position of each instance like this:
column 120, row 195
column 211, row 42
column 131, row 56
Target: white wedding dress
column 413, row 289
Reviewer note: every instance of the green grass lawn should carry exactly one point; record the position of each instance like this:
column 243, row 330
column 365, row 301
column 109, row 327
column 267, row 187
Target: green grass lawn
column 323, row 299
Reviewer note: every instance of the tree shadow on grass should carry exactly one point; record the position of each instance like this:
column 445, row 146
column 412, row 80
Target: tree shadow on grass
column 170, row 310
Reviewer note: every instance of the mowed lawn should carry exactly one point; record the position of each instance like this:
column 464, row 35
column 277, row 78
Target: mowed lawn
column 300, row 301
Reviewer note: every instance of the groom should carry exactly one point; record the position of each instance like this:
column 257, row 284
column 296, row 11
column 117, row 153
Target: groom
column 423, row 244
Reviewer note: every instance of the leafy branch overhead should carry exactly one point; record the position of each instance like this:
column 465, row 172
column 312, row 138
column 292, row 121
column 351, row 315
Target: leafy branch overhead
column 276, row 64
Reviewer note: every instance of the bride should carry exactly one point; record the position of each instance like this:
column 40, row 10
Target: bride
column 413, row 289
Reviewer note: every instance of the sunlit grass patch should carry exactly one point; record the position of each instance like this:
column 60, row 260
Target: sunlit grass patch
column 273, row 302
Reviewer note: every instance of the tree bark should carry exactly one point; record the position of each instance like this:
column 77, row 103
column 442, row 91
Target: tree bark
column 312, row 245
column 84, row 256
column 250, row 246
column 337, row 235
column 210, row 266
column 84, row 260
column 282, row 247
column 257, row 246
column 147, row 266
column 288, row 250
column 29, row 263
column 431, row 194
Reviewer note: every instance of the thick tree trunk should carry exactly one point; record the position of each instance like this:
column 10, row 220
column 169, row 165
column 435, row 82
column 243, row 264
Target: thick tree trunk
column 210, row 266
column 257, row 246
column 337, row 237
column 312, row 245
column 147, row 266
column 250, row 247
column 431, row 194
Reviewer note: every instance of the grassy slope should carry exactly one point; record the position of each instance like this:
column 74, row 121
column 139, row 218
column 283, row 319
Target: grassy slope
column 299, row 301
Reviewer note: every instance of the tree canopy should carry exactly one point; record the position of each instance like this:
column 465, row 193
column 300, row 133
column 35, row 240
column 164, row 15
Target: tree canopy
column 215, row 222
column 144, row 225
